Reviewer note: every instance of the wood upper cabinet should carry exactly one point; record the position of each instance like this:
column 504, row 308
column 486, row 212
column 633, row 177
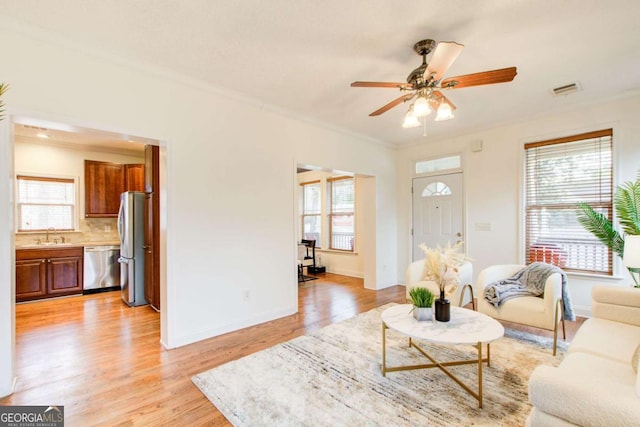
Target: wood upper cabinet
column 103, row 184
column 45, row 273
column 151, row 165
column 134, row 177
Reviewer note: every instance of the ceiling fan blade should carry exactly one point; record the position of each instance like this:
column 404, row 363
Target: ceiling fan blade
column 392, row 104
column 502, row 75
column 437, row 97
column 442, row 58
column 382, row 84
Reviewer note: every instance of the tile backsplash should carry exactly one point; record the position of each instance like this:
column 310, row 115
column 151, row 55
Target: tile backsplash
column 92, row 230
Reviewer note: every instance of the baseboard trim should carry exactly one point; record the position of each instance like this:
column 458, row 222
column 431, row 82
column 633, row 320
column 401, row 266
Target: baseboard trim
column 349, row 273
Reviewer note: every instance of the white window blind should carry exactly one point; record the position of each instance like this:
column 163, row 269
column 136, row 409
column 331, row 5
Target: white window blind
column 341, row 215
column 311, row 211
column 44, row 203
column 560, row 173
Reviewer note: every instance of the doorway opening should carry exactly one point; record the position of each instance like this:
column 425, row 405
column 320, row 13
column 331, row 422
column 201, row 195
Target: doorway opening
column 336, row 209
column 51, row 149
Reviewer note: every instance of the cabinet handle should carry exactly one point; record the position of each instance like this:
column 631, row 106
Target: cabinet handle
column 43, row 261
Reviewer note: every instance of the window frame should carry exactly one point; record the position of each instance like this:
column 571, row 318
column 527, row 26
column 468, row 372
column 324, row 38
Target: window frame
column 331, row 214
column 304, row 214
column 46, row 178
column 604, row 188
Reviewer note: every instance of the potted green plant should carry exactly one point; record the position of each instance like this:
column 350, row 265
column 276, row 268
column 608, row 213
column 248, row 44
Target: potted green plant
column 627, row 204
column 422, row 299
column 3, row 89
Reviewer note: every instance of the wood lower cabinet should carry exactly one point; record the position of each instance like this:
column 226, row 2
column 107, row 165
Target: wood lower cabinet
column 46, row 273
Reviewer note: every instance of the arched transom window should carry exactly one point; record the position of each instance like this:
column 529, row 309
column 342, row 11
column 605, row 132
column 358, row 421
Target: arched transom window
column 436, row 189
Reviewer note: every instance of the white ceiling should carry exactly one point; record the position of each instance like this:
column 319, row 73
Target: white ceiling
column 301, row 55
column 47, row 133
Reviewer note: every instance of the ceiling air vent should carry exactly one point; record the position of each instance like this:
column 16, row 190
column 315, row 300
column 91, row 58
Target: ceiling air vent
column 566, row 89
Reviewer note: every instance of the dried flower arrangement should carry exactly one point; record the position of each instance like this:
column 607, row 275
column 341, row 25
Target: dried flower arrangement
column 441, row 265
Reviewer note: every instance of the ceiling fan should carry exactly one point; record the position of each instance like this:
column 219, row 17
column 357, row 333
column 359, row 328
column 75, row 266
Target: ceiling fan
column 425, row 83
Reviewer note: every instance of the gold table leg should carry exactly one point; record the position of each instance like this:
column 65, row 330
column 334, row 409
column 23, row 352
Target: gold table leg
column 384, row 349
column 440, row 365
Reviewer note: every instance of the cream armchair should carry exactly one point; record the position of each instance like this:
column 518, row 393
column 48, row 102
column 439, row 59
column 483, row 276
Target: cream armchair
column 415, row 278
column 541, row 312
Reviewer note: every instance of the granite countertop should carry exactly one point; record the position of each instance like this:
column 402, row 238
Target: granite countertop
column 66, row 245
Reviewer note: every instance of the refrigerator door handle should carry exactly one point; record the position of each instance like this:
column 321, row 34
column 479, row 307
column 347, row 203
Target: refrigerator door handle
column 120, row 219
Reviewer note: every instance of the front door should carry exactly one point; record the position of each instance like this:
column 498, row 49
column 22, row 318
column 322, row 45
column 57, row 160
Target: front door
column 437, row 211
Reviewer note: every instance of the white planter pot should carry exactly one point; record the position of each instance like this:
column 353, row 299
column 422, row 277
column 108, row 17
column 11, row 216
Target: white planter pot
column 423, row 313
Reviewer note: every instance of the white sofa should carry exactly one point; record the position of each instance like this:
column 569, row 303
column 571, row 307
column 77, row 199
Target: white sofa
column 415, row 278
column 595, row 384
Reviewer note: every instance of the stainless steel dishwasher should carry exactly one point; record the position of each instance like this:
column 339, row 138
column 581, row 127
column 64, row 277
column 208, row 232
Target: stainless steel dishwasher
column 101, row 267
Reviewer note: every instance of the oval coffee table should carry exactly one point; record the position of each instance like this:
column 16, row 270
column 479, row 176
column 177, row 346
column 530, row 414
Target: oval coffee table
column 466, row 327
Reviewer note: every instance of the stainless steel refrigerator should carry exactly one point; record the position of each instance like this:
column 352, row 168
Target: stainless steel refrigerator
column 131, row 231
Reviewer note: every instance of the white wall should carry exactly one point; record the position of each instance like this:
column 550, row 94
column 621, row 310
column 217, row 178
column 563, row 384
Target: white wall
column 229, row 181
column 493, row 183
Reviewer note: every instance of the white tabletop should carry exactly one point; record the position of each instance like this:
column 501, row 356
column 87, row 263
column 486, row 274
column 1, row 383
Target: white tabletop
column 465, row 327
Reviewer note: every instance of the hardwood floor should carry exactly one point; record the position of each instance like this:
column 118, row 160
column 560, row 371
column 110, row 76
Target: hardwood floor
column 103, row 361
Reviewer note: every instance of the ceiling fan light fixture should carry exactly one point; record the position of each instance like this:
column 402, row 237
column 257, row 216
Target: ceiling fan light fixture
column 410, row 120
column 421, row 107
column 444, row 112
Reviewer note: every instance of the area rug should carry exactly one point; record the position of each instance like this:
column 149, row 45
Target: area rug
column 332, row 377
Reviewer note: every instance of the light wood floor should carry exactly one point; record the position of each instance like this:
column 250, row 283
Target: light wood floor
column 104, row 363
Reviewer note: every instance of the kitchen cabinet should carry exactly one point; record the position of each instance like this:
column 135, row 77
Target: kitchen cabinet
column 151, row 168
column 103, row 184
column 48, row 272
column 152, row 226
column 134, row 177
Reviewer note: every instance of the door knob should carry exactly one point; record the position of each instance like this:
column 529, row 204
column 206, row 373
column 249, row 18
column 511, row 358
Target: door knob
column 459, row 234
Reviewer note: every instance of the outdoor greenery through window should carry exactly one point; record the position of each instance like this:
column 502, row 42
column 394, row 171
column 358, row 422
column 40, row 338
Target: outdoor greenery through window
column 341, row 213
column 44, row 203
column 561, row 173
column 311, row 213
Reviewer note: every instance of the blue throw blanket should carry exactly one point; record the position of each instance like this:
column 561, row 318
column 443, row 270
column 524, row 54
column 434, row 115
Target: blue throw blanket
column 529, row 281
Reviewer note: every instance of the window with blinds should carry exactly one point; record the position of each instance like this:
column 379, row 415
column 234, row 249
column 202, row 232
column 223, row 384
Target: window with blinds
column 341, row 213
column 559, row 174
column 44, row 203
column 311, row 211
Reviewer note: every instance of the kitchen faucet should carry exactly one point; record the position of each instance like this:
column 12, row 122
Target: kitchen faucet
column 47, row 235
